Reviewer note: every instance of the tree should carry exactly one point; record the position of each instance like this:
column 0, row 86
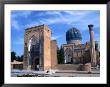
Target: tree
column 19, row 58
column 13, row 56
column 22, row 56
column 60, row 55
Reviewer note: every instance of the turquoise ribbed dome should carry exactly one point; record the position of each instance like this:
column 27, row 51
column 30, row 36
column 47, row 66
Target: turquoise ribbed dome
column 73, row 34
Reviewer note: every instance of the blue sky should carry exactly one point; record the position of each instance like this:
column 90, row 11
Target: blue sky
column 58, row 21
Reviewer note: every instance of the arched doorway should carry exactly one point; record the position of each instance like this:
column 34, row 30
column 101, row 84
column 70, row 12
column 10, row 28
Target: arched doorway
column 68, row 56
column 34, row 49
column 37, row 64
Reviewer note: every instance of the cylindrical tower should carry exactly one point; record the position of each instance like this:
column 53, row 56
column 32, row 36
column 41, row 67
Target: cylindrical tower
column 92, row 48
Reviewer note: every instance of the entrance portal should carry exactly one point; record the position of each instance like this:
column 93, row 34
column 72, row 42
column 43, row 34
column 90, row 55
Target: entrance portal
column 37, row 64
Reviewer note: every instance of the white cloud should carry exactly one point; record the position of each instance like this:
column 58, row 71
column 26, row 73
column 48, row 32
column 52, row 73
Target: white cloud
column 57, row 36
column 35, row 23
column 49, row 13
column 71, row 18
column 15, row 23
column 21, row 14
column 79, row 12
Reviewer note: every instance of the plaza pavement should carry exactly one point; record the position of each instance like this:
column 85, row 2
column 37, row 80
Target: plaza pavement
column 62, row 73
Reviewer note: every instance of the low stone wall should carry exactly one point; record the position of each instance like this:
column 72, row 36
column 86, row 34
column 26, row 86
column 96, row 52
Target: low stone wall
column 85, row 67
column 17, row 66
column 77, row 67
column 67, row 66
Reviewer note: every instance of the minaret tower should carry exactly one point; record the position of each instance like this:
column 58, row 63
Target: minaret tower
column 92, row 48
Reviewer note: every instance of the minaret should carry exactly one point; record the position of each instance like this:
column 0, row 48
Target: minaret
column 92, row 47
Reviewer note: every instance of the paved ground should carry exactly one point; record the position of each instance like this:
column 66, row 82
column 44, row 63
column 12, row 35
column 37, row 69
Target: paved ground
column 64, row 73
column 70, row 73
